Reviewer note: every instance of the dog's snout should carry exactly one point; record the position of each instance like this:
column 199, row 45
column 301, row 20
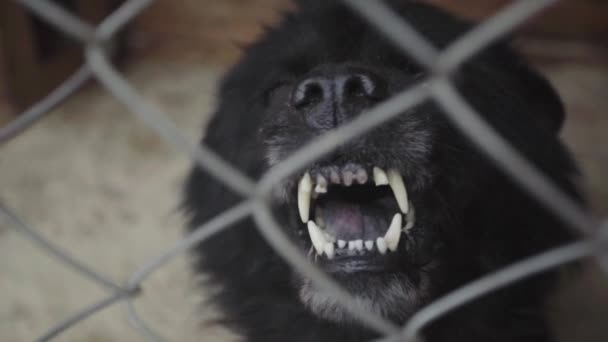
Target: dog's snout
column 311, row 91
column 327, row 101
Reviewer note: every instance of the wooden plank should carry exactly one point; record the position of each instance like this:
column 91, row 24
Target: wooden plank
column 30, row 72
column 580, row 19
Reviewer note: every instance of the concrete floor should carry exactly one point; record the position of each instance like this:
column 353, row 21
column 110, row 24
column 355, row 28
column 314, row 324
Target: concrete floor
column 105, row 188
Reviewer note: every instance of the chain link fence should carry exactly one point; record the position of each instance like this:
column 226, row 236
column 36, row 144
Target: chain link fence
column 438, row 87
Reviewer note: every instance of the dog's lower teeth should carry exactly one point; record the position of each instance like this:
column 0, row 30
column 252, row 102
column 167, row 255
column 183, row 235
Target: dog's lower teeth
column 381, row 243
column 351, row 245
column 329, row 250
column 323, row 242
column 316, row 237
column 359, row 245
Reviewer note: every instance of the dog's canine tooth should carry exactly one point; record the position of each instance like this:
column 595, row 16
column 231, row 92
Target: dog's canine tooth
column 352, row 245
column 341, row 243
column 381, row 243
column 396, row 182
column 321, row 186
column 411, row 219
column 316, row 237
column 329, row 250
column 393, row 233
column 380, row 177
column 359, row 245
column 369, row 244
column 304, row 197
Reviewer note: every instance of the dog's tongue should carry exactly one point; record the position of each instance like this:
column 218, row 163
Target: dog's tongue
column 352, row 221
column 343, row 220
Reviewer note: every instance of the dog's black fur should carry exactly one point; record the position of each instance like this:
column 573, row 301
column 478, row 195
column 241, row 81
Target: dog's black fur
column 472, row 219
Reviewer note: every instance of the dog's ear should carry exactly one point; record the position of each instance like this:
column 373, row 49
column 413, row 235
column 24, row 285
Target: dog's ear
column 545, row 104
column 313, row 4
column 543, row 97
column 316, row 4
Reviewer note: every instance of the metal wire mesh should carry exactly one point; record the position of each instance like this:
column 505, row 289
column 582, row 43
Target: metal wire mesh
column 438, row 86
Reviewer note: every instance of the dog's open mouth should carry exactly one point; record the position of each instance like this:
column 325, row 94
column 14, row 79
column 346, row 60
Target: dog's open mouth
column 350, row 215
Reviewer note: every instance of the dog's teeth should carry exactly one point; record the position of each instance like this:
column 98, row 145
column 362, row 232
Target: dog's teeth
column 352, row 245
column 329, row 250
column 334, row 176
column 348, row 177
column 359, row 245
column 396, row 182
column 381, row 243
column 321, row 186
column 380, row 177
column 341, row 243
column 316, row 237
column 304, row 195
column 361, row 176
column 393, row 233
column 369, row 245
column 411, row 219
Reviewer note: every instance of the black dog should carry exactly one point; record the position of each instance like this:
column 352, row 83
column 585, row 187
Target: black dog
column 399, row 216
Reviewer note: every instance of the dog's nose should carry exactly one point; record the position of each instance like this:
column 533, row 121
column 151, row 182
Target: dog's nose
column 328, row 101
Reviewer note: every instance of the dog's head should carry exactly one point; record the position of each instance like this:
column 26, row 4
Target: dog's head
column 399, row 214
